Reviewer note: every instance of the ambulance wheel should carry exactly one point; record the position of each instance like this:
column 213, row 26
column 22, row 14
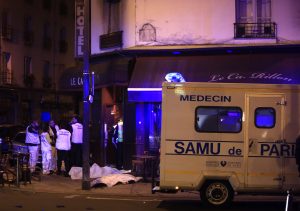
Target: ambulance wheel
column 216, row 193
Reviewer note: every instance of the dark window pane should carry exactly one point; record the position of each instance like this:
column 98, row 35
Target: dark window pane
column 219, row 119
column 265, row 117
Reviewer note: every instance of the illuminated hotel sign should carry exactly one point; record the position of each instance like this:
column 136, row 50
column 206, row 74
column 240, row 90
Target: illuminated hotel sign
column 79, row 25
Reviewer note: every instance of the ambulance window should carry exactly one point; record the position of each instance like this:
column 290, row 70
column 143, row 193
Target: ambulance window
column 265, row 117
column 218, row 119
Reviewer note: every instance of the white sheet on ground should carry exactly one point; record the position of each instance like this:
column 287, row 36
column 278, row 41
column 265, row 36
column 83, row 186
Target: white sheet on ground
column 106, row 175
column 113, row 179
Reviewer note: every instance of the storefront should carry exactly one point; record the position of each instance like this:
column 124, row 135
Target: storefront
column 110, row 83
column 251, row 65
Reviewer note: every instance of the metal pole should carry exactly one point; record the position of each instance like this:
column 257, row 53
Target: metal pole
column 289, row 201
column 86, row 107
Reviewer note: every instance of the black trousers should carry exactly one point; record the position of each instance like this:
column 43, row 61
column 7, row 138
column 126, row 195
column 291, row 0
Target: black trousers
column 76, row 155
column 63, row 155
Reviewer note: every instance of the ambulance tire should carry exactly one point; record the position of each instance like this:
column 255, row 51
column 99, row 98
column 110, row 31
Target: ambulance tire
column 217, row 193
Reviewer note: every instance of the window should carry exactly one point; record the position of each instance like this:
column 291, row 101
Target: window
column 63, row 44
column 218, row 119
column 28, row 31
column 46, row 69
column 265, row 117
column 47, row 5
column 27, row 66
column 253, row 11
column 29, row 2
column 6, row 70
column 112, row 15
column 28, row 76
column 6, row 29
column 63, row 8
column 253, row 19
column 47, row 81
column 47, row 36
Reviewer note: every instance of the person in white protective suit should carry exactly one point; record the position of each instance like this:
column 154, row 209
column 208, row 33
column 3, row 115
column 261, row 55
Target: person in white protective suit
column 46, row 150
column 32, row 141
column 63, row 147
column 76, row 142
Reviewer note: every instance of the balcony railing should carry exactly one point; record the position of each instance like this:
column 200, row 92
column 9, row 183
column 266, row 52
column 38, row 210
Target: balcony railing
column 111, row 40
column 255, row 30
column 6, row 77
column 7, row 33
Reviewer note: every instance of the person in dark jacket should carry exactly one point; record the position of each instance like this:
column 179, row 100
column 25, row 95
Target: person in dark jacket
column 298, row 153
column 33, row 141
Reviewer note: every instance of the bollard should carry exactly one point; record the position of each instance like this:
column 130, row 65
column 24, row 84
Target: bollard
column 289, row 201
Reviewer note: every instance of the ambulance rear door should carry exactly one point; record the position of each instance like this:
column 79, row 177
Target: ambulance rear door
column 265, row 136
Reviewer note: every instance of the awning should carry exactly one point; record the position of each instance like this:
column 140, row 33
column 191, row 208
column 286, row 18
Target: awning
column 112, row 72
column 149, row 72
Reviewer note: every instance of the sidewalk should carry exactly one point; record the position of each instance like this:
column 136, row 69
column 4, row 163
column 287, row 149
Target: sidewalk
column 65, row 185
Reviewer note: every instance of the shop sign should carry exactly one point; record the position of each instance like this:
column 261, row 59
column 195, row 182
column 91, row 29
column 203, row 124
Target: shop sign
column 79, row 25
column 272, row 77
column 76, row 81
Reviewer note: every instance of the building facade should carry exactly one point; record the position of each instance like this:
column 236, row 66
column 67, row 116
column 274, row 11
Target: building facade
column 36, row 46
column 252, row 41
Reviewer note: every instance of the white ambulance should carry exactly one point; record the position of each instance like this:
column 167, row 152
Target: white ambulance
column 221, row 139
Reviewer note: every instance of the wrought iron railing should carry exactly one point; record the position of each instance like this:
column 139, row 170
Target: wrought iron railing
column 7, row 32
column 6, row 77
column 255, row 30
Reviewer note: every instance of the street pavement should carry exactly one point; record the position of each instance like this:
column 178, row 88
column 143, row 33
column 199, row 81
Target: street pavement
column 65, row 185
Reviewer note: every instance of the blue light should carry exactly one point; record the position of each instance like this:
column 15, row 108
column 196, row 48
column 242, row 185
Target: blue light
column 45, row 116
column 176, row 52
column 233, row 114
column 174, row 77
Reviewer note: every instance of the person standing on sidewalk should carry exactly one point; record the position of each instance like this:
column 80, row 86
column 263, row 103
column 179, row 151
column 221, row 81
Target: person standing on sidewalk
column 46, row 150
column 32, row 141
column 53, row 128
column 76, row 140
column 63, row 146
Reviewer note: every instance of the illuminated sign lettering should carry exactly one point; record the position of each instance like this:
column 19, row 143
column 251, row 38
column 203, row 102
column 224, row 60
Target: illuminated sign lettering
column 253, row 75
column 79, row 25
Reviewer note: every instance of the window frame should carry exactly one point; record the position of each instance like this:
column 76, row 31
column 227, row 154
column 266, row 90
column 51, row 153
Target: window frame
column 27, row 66
column 255, row 112
column 256, row 11
column 220, row 107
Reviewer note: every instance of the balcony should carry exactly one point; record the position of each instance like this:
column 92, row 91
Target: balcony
column 111, row 40
column 6, row 77
column 255, row 30
column 7, row 33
